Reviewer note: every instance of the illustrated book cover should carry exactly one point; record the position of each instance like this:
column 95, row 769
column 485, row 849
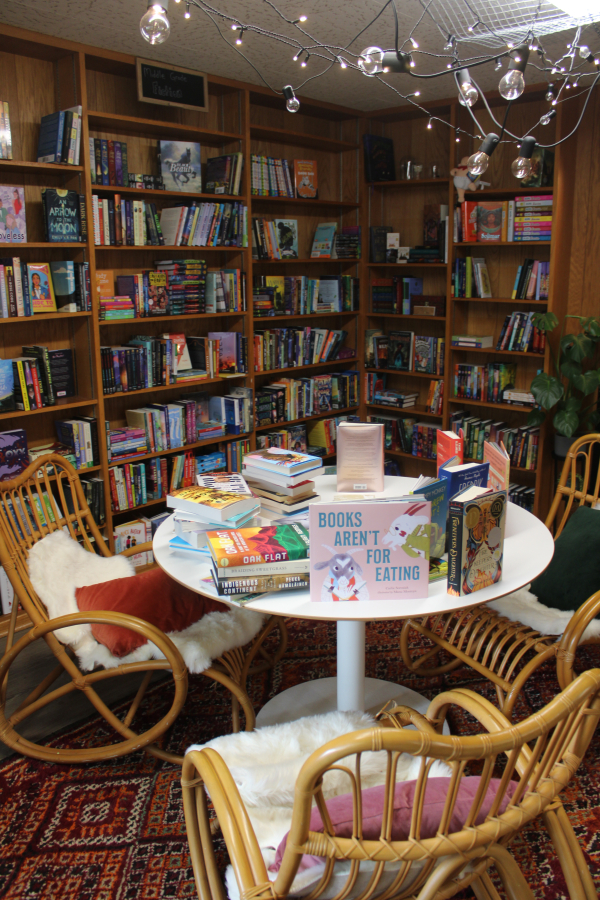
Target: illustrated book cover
column 213, row 505
column 287, row 237
column 286, row 462
column 180, row 166
column 265, row 545
column 7, row 386
column 14, row 457
column 435, row 490
column 464, row 476
column 323, row 240
column 13, row 225
column 476, row 519
column 232, row 482
column 499, row 461
column 306, row 182
column 61, row 215
column 41, row 288
column 369, row 551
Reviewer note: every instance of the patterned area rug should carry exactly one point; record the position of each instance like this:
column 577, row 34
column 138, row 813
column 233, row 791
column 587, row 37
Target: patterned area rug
column 116, row 831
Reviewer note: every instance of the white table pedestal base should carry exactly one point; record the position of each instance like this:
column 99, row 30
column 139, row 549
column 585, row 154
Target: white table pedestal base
column 321, row 696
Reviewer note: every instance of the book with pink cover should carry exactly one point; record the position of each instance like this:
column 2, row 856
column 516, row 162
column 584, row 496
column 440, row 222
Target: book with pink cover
column 499, row 460
column 369, row 551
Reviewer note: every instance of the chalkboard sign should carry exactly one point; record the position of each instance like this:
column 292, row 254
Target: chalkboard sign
column 171, row 85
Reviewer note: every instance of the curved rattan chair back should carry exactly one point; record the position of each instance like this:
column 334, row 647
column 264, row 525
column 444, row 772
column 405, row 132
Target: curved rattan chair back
column 46, row 497
column 579, row 483
column 541, row 753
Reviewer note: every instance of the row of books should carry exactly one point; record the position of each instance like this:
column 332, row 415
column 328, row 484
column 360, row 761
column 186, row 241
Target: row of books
column 33, row 288
column 404, row 351
column 283, row 348
column 279, row 295
column 5, row 132
column 470, row 278
column 322, row 435
column 532, row 281
column 60, row 137
column 272, row 177
column 203, row 224
column 519, row 333
column 289, row 399
column 485, row 382
column 109, row 163
column 180, row 165
column 393, row 295
column 521, row 444
column 16, row 456
column 527, row 218
column 522, row 495
column 293, row 438
column 37, row 379
column 235, row 451
column 80, row 434
column 274, row 240
column 134, row 534
column 407, row 435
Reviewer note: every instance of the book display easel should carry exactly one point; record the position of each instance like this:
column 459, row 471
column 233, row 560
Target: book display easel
column 403, row 205
column 44, row 75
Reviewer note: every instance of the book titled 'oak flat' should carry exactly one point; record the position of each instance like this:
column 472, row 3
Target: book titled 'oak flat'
column 271, row 545
column 208, row 503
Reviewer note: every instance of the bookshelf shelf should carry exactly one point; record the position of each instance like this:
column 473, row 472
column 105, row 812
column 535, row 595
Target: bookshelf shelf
column 499, row 300
column 418, row 410
column 45, row 317
column 160, row 248
column 323, row 415
column 151, row 192
column 470, row 459
column 510, row 192
column 72, row 403
column 509, row 407
column 267, row 319
column 490, row 350
column 480, row 245
column 126, row 460
column 410, row 374
column 329, row 362
column 315, row 261
column 181, row 385
column 101, row 121
column 410, row 183
column 409, row 265
column 187, row 316
column 407, row 316
column 299, row 139
column 403, row 455
column 28, row 167
column 299, row 202
column 44, row 245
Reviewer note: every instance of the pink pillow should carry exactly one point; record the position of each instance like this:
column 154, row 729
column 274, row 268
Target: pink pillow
column 151, row 596
column 340, row 811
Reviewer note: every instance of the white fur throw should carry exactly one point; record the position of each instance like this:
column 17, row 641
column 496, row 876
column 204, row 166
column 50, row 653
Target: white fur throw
column 265, row 764
column 58, row 565
column 523, row 606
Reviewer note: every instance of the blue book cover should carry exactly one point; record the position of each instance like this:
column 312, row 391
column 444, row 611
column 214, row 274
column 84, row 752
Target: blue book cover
column 14, row 457
column 7, row 386
column 467, row 475
column 437, row 493
column 51, row 138
column 104, row 161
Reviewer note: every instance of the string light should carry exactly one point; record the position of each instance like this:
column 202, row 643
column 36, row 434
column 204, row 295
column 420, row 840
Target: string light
column 547, row 117
column 240, row 39
column 292, row 103
column 414, row 43
column 187, row 14
column 450, row 43
column 498, row 65
column 429, row 125
column 154, row 24
column 479, row 161
column 304, row 62
column 550, row 93
column 342, row 62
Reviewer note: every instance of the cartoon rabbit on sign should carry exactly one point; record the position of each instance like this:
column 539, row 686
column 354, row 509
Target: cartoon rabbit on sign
column 410, row 531
column 344, row 580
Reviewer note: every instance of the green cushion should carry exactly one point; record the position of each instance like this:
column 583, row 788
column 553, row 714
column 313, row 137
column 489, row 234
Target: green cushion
column 574, row 572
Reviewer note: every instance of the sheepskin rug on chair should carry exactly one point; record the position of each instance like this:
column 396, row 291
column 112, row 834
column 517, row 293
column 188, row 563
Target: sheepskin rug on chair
column 265, row 764
column 58, row 565
column 523, row 606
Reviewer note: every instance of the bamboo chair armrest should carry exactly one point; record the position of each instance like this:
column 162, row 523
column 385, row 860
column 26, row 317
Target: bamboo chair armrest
column 401, row 716
column 139, row 548
column 579, row 621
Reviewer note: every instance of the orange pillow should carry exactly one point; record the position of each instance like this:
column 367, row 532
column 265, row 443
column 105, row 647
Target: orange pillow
column 151, row 596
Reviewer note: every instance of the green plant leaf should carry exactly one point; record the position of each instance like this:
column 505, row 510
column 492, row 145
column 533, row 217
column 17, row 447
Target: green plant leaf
column 592, row 327
column 587, row 382
column 570, row 369
column 547, row 390
column 576, row 346
column 593, row 421
column 572, row 404
column 536, row 417
column 566, row 422
column 545, row 321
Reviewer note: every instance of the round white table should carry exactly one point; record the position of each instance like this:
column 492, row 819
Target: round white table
column 528, row 548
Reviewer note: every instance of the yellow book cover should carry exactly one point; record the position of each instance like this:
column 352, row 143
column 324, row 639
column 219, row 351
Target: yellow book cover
column 206, row 496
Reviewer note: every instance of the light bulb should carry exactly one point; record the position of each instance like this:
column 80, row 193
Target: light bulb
column 547, row 118
column 239, row 41
column 303, row 63
column 343, row 63
column 512, row 84
column 468, row 94
column 584, row 51
column 371, row 61
column 292, row 104
column 498, row 64
column 429, row 125
column 187, row 14
column 154, row 25
column 414, row 43
column 521, row 167
column 234, row 27
column 303, row 18
column 550, row 94
column 478, row 163
column 450, row 42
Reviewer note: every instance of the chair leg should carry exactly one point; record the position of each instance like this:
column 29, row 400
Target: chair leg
column 570, row 855
column 484, row 889
column 512, row 878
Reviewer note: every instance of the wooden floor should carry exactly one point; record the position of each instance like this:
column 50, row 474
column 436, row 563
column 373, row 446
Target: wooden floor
column 28, row 671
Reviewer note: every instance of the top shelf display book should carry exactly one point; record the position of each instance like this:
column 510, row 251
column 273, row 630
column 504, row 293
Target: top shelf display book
column 180, row 166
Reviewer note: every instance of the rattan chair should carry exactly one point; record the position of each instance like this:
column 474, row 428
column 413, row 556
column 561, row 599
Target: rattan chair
column 541, row 754
column 53, row 480
column 503, row 650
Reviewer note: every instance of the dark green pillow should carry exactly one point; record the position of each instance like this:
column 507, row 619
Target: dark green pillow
column 574, row 572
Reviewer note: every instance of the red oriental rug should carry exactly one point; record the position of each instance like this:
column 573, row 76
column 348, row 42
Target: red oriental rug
column 115, row 831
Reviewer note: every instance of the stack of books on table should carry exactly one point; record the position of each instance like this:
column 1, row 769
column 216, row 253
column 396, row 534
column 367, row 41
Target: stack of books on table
column 217, row 502
column 268, row 558
column 280, row 478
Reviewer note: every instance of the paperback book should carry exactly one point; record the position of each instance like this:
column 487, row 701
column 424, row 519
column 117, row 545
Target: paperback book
column 475, row 540
column 246, row 550
column 209, row 504
column 13, row 225
column 278, row 460
column 370, row 551
column 180, row 166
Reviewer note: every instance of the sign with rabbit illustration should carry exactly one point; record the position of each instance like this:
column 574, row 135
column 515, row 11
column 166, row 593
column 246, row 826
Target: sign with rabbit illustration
column 369, row 551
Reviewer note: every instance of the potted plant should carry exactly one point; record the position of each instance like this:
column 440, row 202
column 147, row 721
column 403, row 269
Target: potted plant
column 566, row 392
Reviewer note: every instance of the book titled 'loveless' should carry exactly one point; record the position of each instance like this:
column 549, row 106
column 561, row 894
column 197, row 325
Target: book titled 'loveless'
column 369, row 551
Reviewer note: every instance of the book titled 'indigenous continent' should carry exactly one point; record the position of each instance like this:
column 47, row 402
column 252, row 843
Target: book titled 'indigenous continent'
column 370, row 551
